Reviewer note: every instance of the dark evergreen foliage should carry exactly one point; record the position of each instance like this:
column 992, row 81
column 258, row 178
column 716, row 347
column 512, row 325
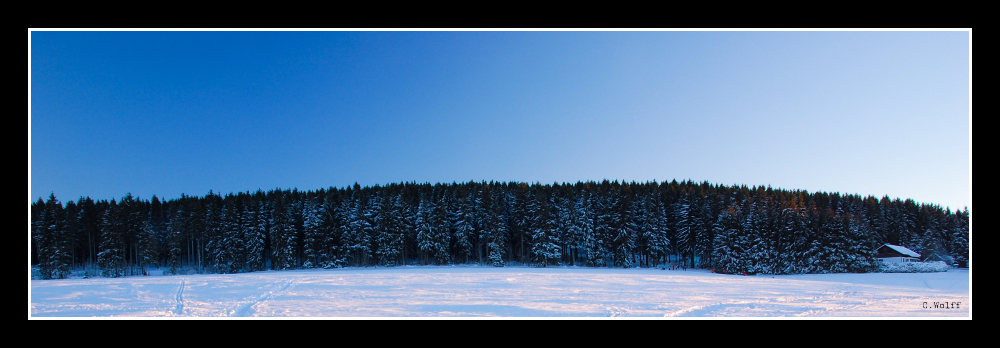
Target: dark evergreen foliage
column 731, row 229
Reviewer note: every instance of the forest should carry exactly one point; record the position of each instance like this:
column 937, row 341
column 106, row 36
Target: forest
column 730, row 229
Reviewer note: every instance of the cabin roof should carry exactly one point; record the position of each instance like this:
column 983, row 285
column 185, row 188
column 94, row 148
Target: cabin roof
column 902, row 250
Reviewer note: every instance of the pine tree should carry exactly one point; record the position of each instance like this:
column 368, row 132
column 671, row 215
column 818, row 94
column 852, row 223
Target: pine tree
column 568, row 226
column 89, row 221
column 544, row 249
column 517, row 221
column 53, row 240
column 748, row 243
column 604, row 222
column 587, row 241
column 161, row 235
column 147, row 244
column 498, row 231
column 214, row 234
column 335, row 216
column 683, row 223
column 425, row 231
column 358, row 228
column 959, row 246
column 38, row 233
column 622, row 230
column 463, row 228
column 645, row 229
column 861, row 246
column 312, row 233
column 703, row 239
column 390, row 237
column 440, row 234
column 176, row 240
column 480, row 216
column 132, row 213
column 233, row 241
column 282, row 235
column 371, row 227
column 110, row 258
column 728, row 256
column 256, row 226
column 794, row 229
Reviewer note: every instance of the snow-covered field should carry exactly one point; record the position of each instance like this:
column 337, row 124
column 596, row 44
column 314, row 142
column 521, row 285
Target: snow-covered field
column 506, row 292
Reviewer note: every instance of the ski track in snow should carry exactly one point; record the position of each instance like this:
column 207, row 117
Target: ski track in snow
column 179, row 308
column 246, row 308
column 504, row 292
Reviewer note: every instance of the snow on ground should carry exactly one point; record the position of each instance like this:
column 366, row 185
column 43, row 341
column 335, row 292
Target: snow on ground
column 443, row 291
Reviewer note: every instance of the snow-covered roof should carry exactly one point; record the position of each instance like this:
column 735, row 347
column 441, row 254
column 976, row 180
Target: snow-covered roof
column 903, row 250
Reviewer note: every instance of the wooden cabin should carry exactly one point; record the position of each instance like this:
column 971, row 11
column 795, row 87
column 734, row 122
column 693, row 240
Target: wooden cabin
column 889, row 253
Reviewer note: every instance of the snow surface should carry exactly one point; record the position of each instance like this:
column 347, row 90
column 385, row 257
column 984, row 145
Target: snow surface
column 903, row 250
column 457, row 291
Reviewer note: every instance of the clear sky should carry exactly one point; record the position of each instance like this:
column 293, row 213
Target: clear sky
column 165, row 113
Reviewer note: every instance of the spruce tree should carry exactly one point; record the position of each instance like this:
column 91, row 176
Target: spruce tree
column 147, row 244
column 683, row 223
column 312, row 233
column 176, row 239
column 463, row 228
column 544, row 249
column 256, row 227
column 497, row 246
column 110, row 258
column 390, row 237
column 282, row 235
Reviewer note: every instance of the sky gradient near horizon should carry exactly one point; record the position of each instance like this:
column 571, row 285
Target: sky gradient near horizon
column 166, row 113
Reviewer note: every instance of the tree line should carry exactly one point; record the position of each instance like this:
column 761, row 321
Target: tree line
column 731, row 229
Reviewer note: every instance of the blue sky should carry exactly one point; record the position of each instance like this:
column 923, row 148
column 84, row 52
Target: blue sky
column 165, row 113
